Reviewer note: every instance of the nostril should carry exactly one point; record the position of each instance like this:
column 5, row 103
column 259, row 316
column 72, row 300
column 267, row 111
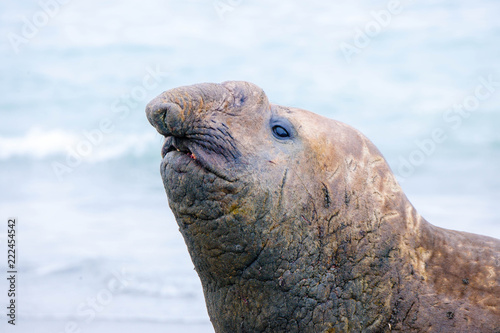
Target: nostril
column 156, row 113
column 165, row 117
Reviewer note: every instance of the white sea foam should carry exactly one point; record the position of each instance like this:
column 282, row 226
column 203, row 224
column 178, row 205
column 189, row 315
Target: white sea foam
column 37, row 143
column 40, row 144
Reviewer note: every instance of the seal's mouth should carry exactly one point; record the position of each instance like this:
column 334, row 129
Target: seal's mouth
column 176, row 150
column 172, row 144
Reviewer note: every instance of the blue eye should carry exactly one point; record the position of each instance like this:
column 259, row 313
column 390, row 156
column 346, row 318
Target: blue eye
column 280, row 132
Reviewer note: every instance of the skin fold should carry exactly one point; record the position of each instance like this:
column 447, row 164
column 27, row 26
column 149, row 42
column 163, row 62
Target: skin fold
column 309, row 231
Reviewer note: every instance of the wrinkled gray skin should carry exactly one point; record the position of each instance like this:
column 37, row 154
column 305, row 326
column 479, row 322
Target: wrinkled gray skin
column 310, row 232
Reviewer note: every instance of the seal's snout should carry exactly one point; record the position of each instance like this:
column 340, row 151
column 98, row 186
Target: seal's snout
column 167, row 118
column 192, row 120
column 156, row 112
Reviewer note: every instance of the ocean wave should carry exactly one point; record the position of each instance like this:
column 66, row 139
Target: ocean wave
column 36, row 144
column 92, row 146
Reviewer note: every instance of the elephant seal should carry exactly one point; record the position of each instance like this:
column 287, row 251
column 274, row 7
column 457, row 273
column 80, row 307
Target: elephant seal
column 295, row 223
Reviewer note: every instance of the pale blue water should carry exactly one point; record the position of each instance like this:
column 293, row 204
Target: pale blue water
column 79, row 83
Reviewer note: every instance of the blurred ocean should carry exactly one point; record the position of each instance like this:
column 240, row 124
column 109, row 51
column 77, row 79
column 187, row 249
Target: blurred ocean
column 99, row 250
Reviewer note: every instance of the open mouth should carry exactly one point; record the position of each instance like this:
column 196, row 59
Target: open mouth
column 202, row 158
column 175, row 144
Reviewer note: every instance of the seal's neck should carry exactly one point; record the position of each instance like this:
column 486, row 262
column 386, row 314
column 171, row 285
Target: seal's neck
column 338, row 263
column 334, row 273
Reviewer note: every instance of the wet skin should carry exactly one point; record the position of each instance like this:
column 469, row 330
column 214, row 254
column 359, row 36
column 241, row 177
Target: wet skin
column 295, row 223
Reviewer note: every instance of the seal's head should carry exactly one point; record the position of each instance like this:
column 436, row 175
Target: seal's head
column 294, row 222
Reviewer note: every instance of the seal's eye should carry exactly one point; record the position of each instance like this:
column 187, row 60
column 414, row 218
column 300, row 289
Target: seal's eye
column 282, row 129
column 280, row 132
